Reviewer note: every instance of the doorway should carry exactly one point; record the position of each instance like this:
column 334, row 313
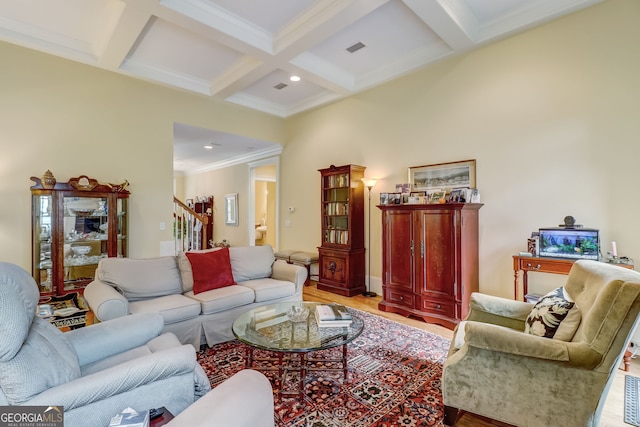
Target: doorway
column 263, row 202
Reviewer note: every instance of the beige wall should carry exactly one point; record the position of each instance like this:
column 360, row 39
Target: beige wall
column 79, row 120
column 219, row 183
column 552, row 117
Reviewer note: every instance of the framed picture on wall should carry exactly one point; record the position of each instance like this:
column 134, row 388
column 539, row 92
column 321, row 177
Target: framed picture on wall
column 231, row 209
column 443, row 175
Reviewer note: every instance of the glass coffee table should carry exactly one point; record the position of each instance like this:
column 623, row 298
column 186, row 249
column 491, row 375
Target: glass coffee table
column 270, row 328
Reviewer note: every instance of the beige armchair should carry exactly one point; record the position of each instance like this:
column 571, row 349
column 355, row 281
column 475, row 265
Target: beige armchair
column 497, row 370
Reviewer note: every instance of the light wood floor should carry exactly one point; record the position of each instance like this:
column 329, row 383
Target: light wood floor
column 613, row 414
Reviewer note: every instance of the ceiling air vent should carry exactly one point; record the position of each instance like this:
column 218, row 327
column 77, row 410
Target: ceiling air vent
column 280, row 86
column 355, row 47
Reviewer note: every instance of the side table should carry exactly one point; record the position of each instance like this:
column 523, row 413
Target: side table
column 542, row 265
column 162, row 419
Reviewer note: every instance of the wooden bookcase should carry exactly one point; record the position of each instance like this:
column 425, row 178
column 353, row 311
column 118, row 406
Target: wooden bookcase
column 341, row 255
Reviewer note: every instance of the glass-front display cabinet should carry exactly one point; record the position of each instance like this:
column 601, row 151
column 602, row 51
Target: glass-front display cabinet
column 74, row 225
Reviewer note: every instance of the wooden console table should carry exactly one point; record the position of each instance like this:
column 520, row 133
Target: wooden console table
column 541, row 265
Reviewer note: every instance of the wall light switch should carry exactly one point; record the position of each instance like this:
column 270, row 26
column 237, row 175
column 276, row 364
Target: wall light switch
column 287, row 223
column 162, row 226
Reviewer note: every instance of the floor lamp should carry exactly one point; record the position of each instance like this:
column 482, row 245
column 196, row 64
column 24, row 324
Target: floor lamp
column 369, row 183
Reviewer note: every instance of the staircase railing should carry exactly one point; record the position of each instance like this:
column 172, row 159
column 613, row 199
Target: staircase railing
column 188, row 228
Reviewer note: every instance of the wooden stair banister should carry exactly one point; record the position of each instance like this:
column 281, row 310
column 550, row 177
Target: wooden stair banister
column 188, row 228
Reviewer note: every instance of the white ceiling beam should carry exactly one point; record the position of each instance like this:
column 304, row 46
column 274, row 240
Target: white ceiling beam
column 450, row 19
column 129, row 27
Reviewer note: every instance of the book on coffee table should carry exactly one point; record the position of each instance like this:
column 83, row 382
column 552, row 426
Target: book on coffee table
column 333, row 316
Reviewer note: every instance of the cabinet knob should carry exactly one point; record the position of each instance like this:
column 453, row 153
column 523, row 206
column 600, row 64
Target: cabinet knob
column 401, row 298
column 531, row 267
column 438, row 306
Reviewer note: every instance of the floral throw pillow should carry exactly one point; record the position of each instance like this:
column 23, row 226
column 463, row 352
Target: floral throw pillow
column 556, row 316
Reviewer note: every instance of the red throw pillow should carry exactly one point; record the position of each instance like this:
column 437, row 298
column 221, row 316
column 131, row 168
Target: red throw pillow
column 211, row 270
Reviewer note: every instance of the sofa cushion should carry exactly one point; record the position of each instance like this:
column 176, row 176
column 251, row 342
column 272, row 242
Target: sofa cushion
column 211, row 270
column 173, row 308
column 251, row 262
column 141, row 278
column 555, row 315
column 268, row 289
column 186, row 273
column 222, row 299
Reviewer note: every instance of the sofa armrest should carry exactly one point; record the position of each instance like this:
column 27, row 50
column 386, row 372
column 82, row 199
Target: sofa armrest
column 120, row 378
column 506, row 340
column 105, row 302
column 296, row 274
column 498, row 311
column 226, row 405
column 102, row 340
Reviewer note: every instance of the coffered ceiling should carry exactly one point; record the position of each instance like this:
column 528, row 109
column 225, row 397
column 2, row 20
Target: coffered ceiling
column 245, row 51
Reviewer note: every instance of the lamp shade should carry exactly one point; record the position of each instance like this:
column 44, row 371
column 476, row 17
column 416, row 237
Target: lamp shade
column 369, row 182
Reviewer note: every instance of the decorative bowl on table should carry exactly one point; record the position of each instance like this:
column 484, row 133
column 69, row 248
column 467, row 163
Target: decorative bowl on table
column 298, row 313
column 81, row 250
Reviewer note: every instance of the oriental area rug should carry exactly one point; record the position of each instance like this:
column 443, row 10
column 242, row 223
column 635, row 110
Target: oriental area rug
column 394, row 379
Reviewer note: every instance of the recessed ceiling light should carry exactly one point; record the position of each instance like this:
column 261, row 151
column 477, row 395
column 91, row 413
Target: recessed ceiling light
column 294, row 78
column 209, row 147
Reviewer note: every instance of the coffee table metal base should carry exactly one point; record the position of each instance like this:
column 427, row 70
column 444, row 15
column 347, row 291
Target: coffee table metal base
column 287, row 363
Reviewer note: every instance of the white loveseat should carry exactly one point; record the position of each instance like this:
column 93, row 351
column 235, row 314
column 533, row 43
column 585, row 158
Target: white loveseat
column 165, row 284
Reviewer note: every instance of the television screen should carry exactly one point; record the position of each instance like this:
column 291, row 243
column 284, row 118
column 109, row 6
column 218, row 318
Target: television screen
column 575, row 243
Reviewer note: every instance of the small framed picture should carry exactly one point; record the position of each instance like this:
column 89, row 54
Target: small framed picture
column 395, row 198
column 454, row 196
column 384, row 198
column 418, row 193
column 475, row 196
column 403, row 188
column 437, row 196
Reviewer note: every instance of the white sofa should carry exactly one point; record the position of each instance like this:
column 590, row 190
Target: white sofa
column 125, row 286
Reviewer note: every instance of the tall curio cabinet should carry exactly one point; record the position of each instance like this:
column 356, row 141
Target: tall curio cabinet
column 74, row 225
column 341, row 256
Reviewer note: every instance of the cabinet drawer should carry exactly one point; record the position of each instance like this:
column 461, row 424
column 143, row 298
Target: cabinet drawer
column 399, row 298
column 546, row 265
column 446, row 308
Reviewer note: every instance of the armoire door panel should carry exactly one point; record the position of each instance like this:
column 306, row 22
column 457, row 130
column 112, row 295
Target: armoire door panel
column 398, row 255
column 437, row 237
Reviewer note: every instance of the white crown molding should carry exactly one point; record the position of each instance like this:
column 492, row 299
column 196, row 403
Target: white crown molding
column 245, row 158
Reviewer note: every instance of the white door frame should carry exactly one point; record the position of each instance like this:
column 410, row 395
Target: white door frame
column 251, row 221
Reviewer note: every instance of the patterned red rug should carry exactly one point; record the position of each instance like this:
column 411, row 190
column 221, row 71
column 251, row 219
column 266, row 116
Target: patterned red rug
column 394, row 379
